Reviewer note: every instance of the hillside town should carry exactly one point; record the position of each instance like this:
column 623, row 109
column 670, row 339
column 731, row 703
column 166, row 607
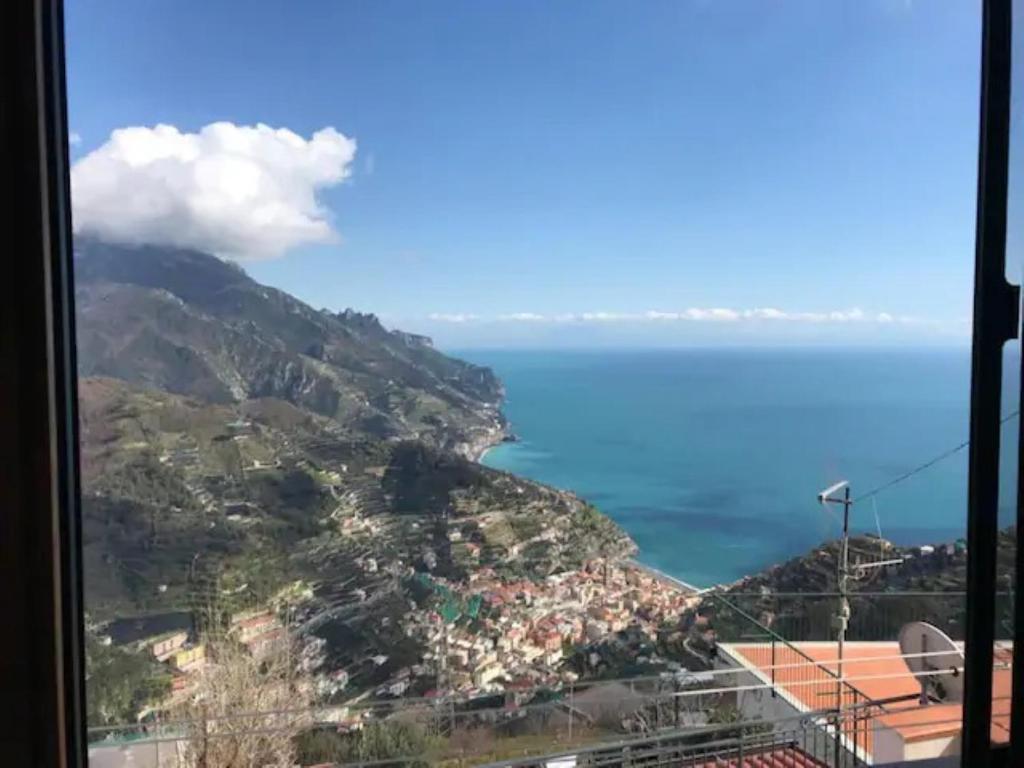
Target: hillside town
column 490, row 634
column 482, row 636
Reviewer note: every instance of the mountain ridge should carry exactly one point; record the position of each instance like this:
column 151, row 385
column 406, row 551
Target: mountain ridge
column 192, row 324
column 233, row 435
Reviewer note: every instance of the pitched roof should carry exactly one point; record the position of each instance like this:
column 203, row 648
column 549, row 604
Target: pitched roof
column 879, row 675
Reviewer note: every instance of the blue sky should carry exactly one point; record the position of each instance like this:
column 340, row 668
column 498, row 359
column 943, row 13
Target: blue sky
column 589, row 172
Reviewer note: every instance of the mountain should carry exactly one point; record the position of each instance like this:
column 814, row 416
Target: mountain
column 237, row 442
column 191, row 324
column 889, row 586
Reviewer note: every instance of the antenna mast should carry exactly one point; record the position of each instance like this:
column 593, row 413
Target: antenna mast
column 842, row 617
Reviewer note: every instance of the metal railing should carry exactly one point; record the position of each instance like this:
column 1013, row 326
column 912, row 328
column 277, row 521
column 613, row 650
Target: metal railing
column 814, row 685
column 668, row 714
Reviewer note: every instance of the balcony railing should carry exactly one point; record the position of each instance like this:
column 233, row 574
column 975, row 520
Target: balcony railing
column 683, row 718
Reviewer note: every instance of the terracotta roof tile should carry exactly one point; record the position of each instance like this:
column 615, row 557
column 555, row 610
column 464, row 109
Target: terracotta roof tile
column 811, row 687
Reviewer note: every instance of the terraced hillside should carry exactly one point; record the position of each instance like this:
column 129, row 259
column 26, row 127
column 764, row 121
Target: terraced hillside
column 244, row 449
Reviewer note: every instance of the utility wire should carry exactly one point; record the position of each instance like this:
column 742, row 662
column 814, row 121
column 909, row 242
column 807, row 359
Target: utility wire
column 928, row 464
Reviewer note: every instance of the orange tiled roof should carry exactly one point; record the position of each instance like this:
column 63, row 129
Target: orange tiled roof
column 883, row 676
column 815, row 688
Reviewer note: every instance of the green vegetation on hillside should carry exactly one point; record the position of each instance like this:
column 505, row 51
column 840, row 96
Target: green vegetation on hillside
column 119, row 683
column 236, row 441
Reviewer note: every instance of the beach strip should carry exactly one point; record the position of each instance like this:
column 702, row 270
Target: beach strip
column 664, row 577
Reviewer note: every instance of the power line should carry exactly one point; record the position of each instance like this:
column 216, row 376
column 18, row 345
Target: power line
column 928, row 464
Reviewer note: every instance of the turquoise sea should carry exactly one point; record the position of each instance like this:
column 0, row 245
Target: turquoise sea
column 712, row 459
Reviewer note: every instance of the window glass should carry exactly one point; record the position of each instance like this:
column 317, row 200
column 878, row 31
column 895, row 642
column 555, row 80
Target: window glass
column 465, row 383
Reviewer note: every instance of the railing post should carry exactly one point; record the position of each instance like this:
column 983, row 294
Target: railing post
column 675, row 701
column 838, row 746
column 572, row 708
column 859, row 719
column 773, row 668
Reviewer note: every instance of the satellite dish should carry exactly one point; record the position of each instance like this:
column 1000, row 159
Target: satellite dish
column 935, row 659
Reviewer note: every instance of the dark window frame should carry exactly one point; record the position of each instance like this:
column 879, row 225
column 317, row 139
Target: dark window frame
column 41, row 647
column 996, row 321
column 40, row 569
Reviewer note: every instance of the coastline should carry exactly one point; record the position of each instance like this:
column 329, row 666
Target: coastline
column 476, row 450
column 665, row 577
column 481, row 450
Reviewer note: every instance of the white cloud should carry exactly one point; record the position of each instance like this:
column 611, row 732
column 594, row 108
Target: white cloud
column 523, row 317
column 692, row 314
column 698, row 314
column 244, row 192
column 716, row 314
column 852, row 315
column 606, row 317
column 443, row 317
column 835, row 316
column 74, row 139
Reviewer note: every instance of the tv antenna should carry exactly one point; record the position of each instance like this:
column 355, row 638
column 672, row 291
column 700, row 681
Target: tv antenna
column 842, row 618
column 841, row 621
